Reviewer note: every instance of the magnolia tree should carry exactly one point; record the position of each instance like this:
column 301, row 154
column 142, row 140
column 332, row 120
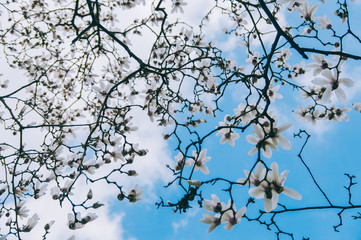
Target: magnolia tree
column 92, row 67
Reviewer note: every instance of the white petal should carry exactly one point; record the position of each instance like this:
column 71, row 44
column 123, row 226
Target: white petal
column 284, row 127
column 341, row 95
column 285, row 143
column 320, row 81
column 253, row 151
column 328, row 74
column 241, row 212
column 292, row 193
column 275, row 172
column 256, row 192
column 326, row 95
column 228, row 226
column 267, row 204
column 267, row 152
column 274, row 199
column 252, row 139
column 204, row 169
column 346, row 81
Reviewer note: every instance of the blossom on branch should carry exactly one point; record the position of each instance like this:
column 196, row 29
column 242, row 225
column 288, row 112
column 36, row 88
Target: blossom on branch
column 333, row 84
column 270, row 188
column 199, row 161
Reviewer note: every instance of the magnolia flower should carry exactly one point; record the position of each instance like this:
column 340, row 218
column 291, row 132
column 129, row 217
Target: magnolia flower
column 319, row 65
column 272, row 93
column 72, row 223
column 228, row 135
column 177, row 5
column 55, row 192
column 260, row 142
column 31, row 223
column 333, row 84
column 215, row 205
column 253, row 59
column 254, row 179
column 325, row 22
column 213, row 221
column 313, row 117
column 282, row 56
column 244, row 113
column 307, row 11
column 272, row 187
column 39, row 190
column 291, row 4
column 21, row 210
column 231, row 217
column 279, row 139
column 180, row 162
column 338, row 114
column 134, row 194
column 200, row 161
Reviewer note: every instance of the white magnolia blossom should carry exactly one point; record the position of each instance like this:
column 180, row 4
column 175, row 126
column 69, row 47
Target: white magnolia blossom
column 213, row 221
column 254, row 179
column 177, row 6
column 31, row 223
column 339, row 113
column 134, row 194
column 228, row 134
column 307, row 11
column 272, row 93
column 253, row 59
column 21, row 210
column 313, row 117
column 232, row 217
column 272, row 187
column 333, row 85
column 260, row 142
column 319, row 65
column 277, row 138
column 199, row 161
column 291, row 4
column 214, row 205
column 244, row 113
column 73, row 224
column 180, row 162
column 325, row 22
